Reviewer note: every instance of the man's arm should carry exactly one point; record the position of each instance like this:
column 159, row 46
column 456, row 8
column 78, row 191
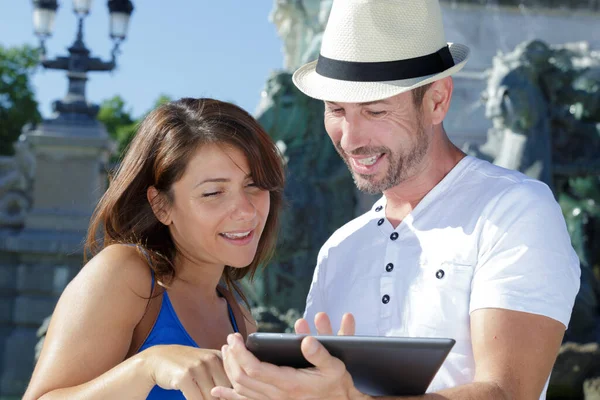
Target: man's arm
column 514, row 353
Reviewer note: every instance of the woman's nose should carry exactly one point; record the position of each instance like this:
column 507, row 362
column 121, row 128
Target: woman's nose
column 244, row 209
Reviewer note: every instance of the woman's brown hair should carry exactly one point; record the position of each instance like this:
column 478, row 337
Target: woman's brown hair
column 158, row 155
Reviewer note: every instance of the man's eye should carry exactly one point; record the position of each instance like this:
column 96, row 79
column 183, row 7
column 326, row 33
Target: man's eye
column 376, row 113
column 210, row 194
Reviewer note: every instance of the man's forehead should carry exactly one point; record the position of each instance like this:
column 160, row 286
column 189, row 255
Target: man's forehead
column 361, row 104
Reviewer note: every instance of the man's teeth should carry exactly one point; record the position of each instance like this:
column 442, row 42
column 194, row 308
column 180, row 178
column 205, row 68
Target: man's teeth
column 236, row 235
column 368, row 161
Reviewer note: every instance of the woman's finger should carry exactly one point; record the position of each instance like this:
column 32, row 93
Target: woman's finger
column 204, row 381
column 190, row 390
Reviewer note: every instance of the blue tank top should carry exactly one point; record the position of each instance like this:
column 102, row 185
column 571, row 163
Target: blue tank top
column 168, row 330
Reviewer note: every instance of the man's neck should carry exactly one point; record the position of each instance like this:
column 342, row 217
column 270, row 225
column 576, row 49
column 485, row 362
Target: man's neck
column 441, row 158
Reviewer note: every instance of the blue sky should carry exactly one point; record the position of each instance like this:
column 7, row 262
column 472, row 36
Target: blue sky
column 224, row 49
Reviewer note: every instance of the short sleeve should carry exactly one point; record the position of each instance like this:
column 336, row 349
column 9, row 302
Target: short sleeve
column 526, row 260
column 315, row 301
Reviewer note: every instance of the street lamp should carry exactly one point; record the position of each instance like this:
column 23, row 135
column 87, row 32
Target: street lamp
column 79, row 62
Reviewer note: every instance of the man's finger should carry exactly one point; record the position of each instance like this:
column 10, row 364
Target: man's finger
column 348, row 325
column 301, row 327
column 323, row 324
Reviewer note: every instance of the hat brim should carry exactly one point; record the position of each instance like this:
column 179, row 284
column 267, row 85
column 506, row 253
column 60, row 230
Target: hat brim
column 320, row 87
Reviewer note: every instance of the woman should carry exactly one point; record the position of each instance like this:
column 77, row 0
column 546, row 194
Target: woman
column 195, row 203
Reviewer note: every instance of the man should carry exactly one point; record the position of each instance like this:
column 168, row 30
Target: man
column 456, row 247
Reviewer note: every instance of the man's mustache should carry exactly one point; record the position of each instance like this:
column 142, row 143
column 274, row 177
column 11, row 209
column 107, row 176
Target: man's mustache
column 362, row 151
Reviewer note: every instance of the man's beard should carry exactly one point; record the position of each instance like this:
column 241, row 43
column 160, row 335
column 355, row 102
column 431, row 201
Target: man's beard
column 399, row 165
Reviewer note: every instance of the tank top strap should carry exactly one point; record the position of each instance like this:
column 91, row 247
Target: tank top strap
column 152, row 277
column 235, row 312
column 232, row 318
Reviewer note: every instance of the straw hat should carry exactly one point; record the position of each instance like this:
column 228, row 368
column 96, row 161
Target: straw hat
column 375, row 49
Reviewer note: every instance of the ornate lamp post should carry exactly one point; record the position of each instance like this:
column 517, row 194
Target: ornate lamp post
column 70, row 150
column 79, row 61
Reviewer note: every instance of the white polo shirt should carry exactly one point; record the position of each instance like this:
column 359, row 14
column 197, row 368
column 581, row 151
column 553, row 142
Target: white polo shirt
column 483, row 237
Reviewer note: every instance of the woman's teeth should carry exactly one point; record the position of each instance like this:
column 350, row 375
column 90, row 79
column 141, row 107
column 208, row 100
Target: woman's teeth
column 236, row 235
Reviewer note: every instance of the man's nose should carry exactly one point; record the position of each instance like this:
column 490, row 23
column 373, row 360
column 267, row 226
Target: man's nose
column 353, row 137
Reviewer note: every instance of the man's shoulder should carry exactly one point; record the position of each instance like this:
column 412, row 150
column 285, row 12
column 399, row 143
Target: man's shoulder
column 483, row 170
column 505, row 193
column 498, row 184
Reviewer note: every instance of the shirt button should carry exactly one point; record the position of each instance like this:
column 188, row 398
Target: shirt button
column 389, row 267
column 440, row 274
column 385, row 299
column 379, row 208
column 380, row 222
column 394, row 236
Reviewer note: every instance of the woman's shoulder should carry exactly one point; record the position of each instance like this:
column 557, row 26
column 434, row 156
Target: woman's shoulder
column 119, row 267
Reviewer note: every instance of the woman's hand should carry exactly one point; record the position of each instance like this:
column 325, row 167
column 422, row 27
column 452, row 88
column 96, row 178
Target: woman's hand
column 191, row 370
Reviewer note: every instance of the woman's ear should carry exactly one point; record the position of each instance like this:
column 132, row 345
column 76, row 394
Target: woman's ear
column 159, row 205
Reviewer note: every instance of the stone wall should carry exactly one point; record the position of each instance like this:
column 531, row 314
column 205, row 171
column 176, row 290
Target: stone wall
column 35, row 267
column 41, row 236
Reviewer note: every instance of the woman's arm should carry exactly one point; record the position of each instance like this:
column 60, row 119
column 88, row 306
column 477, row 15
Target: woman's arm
column 91, row 330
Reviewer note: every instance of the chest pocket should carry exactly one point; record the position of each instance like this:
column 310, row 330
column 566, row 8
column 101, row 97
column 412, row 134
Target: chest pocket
column 439, row 301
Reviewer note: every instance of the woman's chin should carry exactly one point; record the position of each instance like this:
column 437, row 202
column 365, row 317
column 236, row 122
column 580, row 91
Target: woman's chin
column 240, row 262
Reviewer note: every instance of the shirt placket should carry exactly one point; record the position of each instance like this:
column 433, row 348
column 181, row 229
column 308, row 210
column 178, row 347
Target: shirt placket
column 388, row 269
column 387, row 283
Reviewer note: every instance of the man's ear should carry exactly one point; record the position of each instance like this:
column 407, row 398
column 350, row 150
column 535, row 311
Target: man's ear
column 438, row 99
column 159, row 205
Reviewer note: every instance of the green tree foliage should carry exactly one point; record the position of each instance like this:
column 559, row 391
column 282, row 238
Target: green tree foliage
column 120, row 124
column 17, row 101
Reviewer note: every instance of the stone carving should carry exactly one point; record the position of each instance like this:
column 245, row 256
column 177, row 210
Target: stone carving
column 319, row 191
column 544, row 105
column 16, row 173
column 300, row 24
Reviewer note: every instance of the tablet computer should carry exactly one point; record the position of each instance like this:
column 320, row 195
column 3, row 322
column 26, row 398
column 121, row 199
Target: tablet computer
column 379, row 365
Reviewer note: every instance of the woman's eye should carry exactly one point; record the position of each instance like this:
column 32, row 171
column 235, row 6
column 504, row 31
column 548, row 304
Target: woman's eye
column 210, row 194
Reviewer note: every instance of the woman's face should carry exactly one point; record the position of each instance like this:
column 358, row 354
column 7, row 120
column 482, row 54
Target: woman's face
column 218, row 214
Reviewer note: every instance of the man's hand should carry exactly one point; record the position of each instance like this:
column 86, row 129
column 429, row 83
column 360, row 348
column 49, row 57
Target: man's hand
column 253, row 379
column 323, row 325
